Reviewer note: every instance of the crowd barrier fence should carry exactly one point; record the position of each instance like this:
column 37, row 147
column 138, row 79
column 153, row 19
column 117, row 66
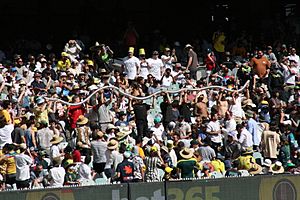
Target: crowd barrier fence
column 262, row 187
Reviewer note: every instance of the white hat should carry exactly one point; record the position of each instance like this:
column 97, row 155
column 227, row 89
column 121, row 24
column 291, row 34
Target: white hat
column 23, row 146
column 232, row 133
column 63, row 74
column 267, row 162
column 40, row 100
column 188, row 46
column 277, row 168
column 93, row 87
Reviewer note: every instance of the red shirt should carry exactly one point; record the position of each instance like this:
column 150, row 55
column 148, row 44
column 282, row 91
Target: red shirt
column 210, row 63
column 76, row 156
column 74, row 113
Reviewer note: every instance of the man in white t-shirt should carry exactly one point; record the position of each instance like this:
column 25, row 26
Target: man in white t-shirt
column 294, row 57
column 157, row 129
column 131, row 64
column 23, row 163
column 177, row 73
column 214, row 130
column 57, row 173
column 244, row 136
column 168, row 58
column 5, row 134
column 290, row 73
column 236, row 107
column 167, row 79
column 155, row 65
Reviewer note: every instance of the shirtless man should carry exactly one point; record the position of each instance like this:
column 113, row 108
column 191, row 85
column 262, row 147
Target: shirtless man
column 201, row 108
column 222, row 105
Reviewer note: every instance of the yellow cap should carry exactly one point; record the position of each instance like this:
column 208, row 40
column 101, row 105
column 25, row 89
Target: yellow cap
column 131, row 50
column 264, row 102
column 96, row 80
column 17, row 121
column 168, row 169
column 230, row 86
column 64, row 54
column 153, row 149
column 142, row 51
column 90, row 62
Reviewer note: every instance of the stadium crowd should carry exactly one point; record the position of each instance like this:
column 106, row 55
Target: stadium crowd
column 248, row 125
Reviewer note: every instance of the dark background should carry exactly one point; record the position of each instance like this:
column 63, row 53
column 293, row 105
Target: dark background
column 56, row 22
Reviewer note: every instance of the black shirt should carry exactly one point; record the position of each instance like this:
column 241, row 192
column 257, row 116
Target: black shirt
column 140, row 111
column 126, row 170
column 37, row 85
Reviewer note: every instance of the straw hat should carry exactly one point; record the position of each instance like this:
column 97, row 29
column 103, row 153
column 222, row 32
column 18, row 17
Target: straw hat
column 277, row 168
column 82, row 120
column 100, row 134
column 248, row 102
column 247, row 151
column 124, row 131
column 111, row 126
column 56, row 139
column 96, row 47
column 186, row 153
column 249, row 113
column 256, row 169
column 164, row 148
column 112, row 144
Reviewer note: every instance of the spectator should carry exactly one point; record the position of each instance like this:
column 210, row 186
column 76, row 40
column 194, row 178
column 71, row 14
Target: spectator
column 23, row 164
column 125, row 169
column 192, row 62
column 56, row 173
column 186, row 166
column 153, row 162
column 99, row 146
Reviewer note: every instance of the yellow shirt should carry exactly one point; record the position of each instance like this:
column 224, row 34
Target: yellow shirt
column 246, row 162
column 63, row 66
column 2, row 163
column 11, row 164
column 219, row 166
column 4, row 114
column 141, row 153
column 219, row 43
column 41, row 115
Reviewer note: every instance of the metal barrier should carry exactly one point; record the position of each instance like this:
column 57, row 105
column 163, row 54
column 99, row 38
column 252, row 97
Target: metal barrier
column 263, row 187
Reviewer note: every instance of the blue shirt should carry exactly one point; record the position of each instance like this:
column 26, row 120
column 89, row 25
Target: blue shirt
column 252, row 127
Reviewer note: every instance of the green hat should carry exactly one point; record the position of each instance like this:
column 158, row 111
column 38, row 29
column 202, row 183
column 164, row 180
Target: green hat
column 290, row 164
column 157, row 120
